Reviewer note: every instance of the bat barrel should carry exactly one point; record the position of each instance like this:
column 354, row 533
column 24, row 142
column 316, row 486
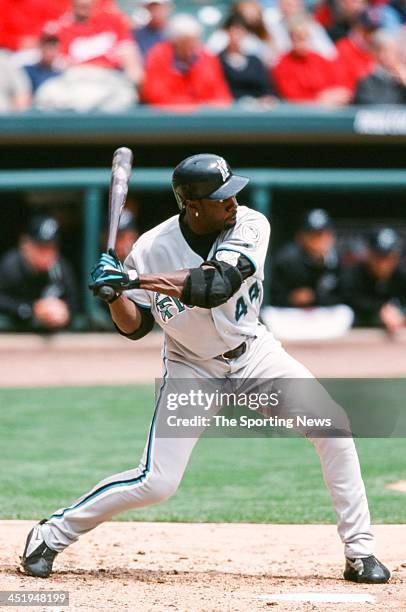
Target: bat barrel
column 120, row 177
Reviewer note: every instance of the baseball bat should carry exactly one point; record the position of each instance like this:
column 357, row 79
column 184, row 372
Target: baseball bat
column 120, row 176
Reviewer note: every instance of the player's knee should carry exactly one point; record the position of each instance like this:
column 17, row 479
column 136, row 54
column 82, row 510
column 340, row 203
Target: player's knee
column 161, row 488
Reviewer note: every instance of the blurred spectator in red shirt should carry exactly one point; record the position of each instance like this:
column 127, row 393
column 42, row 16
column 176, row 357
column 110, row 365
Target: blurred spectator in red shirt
column 102, row 61
column 22, row 20
column 181, row 71
column 154, row 31
column 355, row 58
column 90, row 35
column 304, row 76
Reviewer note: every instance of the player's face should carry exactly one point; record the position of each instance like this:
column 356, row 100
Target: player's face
column 217, row 215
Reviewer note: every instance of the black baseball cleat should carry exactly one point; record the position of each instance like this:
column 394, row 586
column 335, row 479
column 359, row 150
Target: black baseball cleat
column 366, row 569
column 37, row 557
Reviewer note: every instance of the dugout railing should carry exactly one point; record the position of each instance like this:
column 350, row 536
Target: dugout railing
column 94, row 183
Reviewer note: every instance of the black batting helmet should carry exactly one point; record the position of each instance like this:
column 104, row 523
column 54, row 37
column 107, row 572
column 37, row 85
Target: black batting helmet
column 205, row 176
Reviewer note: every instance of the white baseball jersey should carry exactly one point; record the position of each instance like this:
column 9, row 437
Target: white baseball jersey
column 201, row 333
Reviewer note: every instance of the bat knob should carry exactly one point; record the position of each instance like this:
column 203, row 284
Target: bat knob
column 106, row 293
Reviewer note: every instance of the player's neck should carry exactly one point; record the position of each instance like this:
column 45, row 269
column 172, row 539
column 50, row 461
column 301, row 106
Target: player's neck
column 196, row 227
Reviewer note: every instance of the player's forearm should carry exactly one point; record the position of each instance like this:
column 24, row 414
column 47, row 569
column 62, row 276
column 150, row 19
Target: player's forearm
column 208, row 286
column 171, row 283
column 125, row 315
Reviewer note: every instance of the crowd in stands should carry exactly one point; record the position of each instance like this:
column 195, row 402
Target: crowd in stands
column 87, row 54
column 315, row 291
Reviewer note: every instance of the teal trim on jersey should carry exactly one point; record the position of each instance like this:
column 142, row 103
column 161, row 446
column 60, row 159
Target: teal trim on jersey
column 141, row 305
column 220, row 248
column 131, row 481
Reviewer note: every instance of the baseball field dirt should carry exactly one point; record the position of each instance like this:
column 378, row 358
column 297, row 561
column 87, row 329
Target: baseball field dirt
column 29, row 360
column 207, row 567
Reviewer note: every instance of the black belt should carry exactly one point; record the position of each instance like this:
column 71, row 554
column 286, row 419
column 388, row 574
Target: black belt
column 234, row 353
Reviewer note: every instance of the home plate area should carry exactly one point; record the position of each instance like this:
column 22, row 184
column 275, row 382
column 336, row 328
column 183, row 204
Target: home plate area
column 209, row 567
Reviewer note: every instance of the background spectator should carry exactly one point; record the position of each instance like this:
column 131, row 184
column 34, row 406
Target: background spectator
column 246, row 75
column 47, row 67
column 339, row 16
column 394, row 14
column 258, row 42
column 376, row 287
column 304, row 76
column 103, row 63
column 306, row 271
column 155, row 30
column 387, row 83
column 127, row 234
column 181, row 72
column 355, row 57
column 99, row 37
column 22, row 21
column 305, row 284
column 277, row 23
column 252, row 13
column 37, row 286
column 15, row 91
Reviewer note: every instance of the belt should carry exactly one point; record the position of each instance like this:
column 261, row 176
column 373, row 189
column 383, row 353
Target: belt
column 234, row 353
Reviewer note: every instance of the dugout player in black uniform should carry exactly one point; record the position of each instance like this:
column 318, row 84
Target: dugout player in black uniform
column 376, row 287
column 306, row 272
column 37, row 286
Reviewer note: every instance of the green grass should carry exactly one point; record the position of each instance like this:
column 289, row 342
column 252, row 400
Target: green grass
column 55, row 444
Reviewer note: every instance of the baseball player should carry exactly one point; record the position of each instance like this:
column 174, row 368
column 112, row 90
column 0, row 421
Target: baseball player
column 199, row 277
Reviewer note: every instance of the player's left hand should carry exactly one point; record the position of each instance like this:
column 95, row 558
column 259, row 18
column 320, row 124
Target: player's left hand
column 109, row 260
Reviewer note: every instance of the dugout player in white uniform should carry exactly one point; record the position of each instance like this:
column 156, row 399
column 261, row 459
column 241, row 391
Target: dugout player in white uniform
column 199, row 276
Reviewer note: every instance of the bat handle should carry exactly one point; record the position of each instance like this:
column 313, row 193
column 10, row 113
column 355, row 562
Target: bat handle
column 105, row 293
